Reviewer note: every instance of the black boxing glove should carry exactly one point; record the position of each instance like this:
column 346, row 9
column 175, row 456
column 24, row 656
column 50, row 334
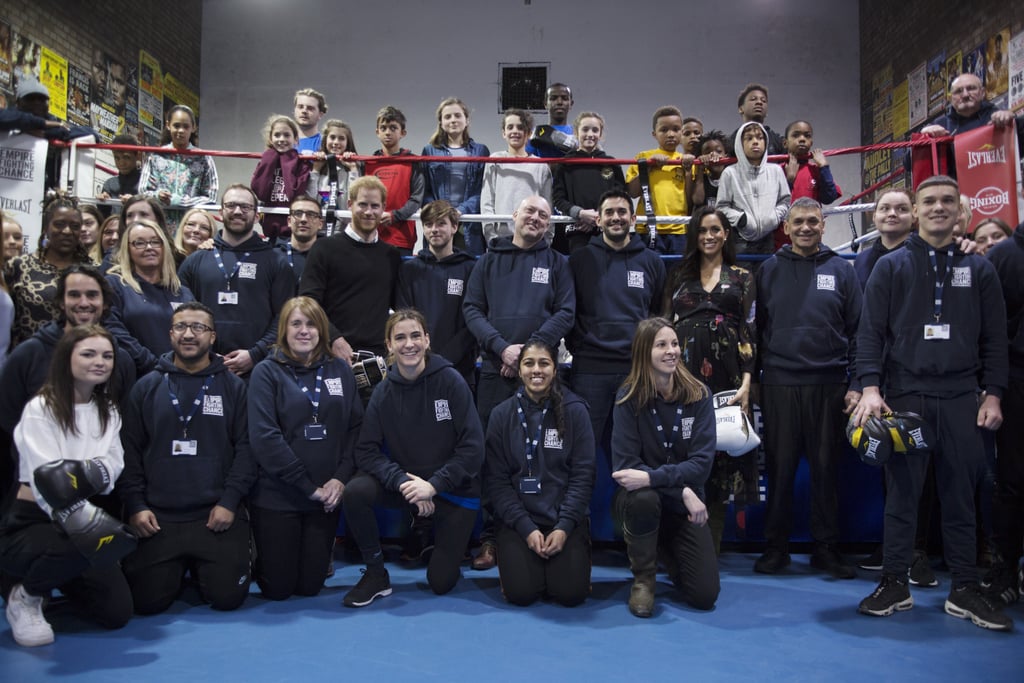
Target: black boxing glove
column 62, row 483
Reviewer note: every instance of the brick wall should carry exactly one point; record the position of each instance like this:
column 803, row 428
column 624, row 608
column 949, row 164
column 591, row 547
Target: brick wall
column 910, row 32
column 170, row 31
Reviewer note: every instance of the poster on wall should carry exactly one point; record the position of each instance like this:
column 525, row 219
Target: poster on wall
column 954, row 67
column 900, row 110
column 151, row 96
column 26, row 54
column 175, row 92
column 974, row 62
column 6, row 60
column 53, row 73
column 78, row 96
column 108, row 88
column 1016, row 95
column 997, row 67
column 881, row 96
column 936, row 84
column 131, row 124
column 917, row 96
column 877, row 165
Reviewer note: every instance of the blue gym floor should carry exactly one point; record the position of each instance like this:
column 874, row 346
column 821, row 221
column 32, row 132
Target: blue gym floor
column 799, row 626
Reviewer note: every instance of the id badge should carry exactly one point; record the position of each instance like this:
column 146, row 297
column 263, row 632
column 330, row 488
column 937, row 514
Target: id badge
column 184, row 447
column 936, row 331
column 529, row 485
column 227, row 298
column 315, row 432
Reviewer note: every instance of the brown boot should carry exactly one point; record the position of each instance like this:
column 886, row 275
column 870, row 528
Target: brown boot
column 643, row 561
column 487, row 558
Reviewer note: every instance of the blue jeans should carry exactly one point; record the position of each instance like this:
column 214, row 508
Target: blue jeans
column 475, row 244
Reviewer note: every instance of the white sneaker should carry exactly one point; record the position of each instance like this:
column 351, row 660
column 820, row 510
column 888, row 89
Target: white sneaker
column 25, row 615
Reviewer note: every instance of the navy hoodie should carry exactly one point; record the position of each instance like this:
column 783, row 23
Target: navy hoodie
column 428, row 427
column 436, row 289
column 516, row 295
column 264, row 281
column 615, row 290
column 141, row 321
column 1008, row 259
column 638, row 444
column 866, row 260
column 565, row 466
column 295, row 258
column 900, row 300
column 182, row 488
column 808, row 308
column 28, row 365
column 291, row 467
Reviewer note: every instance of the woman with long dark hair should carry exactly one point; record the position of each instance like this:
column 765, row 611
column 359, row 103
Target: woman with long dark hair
column 69, row 449
column 708, row 299
column 663, row 444
column 539, row 475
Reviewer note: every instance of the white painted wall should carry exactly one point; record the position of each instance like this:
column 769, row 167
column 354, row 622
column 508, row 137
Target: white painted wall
column 622, row 59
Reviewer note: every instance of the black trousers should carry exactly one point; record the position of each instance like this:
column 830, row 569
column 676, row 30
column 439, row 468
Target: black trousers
column 959, row 460
column 219, row 562
column 41, row 557
column 527, row 577
column 802, row 420
column 689, row 548
column 292, row 550
column 1008, row 500
column 453, row 526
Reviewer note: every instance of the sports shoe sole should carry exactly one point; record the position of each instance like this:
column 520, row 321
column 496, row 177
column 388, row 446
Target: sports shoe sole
column 379, row 594
column 901, row 606
column 961, row 613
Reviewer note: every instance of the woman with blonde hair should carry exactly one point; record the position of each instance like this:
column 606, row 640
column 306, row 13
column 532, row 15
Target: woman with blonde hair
column 197, row 226
column 146, row 290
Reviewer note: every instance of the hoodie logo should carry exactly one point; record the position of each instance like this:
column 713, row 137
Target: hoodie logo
column 455, row 287
column 213, row 405
column 441, row 410
column 961, row 276
column 551, row 439
column 334, row 386
column 247, row 270
column 539, row 276
column 826, row 282
column 635, row 278
column 686, row 429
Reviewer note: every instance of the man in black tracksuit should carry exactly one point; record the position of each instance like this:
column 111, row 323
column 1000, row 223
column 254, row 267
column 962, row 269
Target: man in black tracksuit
column 1008, row 501
column 934, row 327
column 188, row 467
column 808, row 306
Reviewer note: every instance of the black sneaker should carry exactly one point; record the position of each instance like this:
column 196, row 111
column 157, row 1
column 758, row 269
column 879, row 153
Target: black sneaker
column 873, row 562
column 772, row 562
column 968, row 602
column 921, row 571
column 1001, row 583
column 828, row 560
column 892, row 595
column 375, row 583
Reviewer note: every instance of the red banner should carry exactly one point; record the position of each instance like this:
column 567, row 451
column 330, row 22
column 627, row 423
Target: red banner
column 987, row 167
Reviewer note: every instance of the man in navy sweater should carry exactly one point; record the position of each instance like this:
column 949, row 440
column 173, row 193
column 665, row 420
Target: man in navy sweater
column 188, row 466
column 934, row 327
column 808, row 306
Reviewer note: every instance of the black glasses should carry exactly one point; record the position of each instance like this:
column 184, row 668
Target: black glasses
column 244, row 208
column 197, row 328
column 142, row 244
column 300, row 214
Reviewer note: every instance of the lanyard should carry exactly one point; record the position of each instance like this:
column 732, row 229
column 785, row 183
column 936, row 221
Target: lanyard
column 195, row 404
column 288, row 253
column 223, row 270
column 940, row 283
column 531, row 445
column 668, row 438
column 314, row 399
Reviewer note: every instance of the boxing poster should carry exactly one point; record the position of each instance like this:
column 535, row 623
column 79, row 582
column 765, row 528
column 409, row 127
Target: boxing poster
column 987, row 169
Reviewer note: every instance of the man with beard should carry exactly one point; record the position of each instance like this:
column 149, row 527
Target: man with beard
column 304, row 221
column 243, row 280
column 310, row 107
column 188, row 466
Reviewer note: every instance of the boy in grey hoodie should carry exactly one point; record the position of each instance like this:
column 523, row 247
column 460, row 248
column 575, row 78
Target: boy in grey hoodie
column 754, row 195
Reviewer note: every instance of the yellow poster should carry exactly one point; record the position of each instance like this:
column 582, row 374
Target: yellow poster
column 151, row 91
column 900, row 110
column 53, row 73
column 175, row 92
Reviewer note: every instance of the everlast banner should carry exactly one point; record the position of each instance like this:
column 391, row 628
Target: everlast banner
column 988, row 170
